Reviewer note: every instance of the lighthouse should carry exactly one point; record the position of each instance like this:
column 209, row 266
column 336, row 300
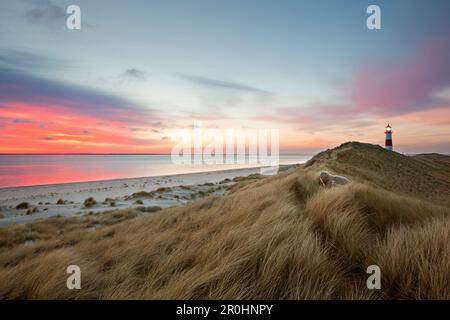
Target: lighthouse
column 388, row 143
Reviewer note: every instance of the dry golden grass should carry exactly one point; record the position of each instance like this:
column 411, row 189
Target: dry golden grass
column 282, row 237
column 422, row 176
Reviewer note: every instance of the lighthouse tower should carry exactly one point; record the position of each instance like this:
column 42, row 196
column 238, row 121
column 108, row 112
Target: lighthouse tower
column 388, row 143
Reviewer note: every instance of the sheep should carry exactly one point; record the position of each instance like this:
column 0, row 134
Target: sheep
column 329, row 180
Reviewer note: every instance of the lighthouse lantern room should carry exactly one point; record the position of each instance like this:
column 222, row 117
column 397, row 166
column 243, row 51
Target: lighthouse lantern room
column 388, row 143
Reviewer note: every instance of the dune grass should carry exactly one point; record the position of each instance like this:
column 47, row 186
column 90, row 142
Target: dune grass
column 89, row 202
column 23, row 205
column 281, row 237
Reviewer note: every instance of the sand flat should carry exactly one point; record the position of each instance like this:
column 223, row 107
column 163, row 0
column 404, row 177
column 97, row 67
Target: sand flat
column 43, row 199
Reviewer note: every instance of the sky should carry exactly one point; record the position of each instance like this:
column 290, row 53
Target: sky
column 139, row 69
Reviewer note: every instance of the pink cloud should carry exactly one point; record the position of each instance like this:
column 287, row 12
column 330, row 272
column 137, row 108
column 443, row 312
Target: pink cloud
column 407, row 85
column 437, row 116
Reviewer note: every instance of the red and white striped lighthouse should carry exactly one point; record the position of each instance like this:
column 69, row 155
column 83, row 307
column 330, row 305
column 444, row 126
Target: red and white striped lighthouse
column 388, row 143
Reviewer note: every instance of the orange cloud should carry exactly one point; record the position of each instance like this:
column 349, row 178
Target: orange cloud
column 56, row 129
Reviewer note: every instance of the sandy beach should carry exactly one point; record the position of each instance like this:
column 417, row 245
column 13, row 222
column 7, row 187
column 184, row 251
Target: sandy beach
column 40, row 202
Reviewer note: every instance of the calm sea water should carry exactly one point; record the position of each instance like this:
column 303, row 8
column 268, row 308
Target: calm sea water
column 27, row 170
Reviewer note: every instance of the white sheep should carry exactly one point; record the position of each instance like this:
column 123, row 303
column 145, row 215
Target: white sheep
column 329, row 180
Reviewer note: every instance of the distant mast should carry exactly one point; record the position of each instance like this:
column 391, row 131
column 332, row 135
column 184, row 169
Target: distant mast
column 388, row 143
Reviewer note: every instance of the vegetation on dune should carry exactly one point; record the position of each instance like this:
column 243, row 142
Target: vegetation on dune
column 89, row 202
column 31, row 211
column 281, row 237
column 425, row 176
column 23, row 205
column 249, row 177
column 148, row 194
column 149, row 209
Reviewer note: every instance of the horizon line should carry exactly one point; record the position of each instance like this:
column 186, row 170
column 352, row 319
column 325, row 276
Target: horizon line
column 114, row 153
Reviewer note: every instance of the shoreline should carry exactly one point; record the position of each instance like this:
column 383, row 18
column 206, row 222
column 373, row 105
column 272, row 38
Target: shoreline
column 67, row 199
column 121, row 179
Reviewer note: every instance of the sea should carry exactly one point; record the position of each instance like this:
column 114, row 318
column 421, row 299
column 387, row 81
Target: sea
column 18, row 170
